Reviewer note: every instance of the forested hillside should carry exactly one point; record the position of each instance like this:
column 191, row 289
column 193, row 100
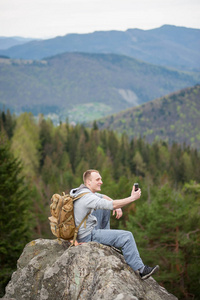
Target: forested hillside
column 165, row 221
column 169, row 46
column 83, row 87
column 175, row 117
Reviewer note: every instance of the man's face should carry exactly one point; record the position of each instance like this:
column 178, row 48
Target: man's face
column 94, row 182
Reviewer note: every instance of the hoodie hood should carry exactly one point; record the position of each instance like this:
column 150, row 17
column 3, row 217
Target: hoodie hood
column 79, row 190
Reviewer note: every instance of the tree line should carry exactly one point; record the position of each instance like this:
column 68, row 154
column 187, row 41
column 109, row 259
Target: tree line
column 38, row 159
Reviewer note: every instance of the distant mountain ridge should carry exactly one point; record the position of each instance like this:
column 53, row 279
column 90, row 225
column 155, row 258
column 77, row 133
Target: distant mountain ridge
column 8, row 42
column 172, row 118
column 84, row 86
column 171, row 46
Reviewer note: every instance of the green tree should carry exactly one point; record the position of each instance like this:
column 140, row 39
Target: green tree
column 14, row 212
column 7, row 122
column 168, row 234
column 45, row 135
column 139, row 164
column 25, row 144
column 190, row 240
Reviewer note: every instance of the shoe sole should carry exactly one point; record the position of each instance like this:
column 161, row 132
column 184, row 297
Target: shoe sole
column 152, row 272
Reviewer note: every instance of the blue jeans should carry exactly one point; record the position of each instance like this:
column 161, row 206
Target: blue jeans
column 118, row 238
column 103, row 218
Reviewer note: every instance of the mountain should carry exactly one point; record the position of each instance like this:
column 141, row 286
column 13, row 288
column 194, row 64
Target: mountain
column 175, row 117
column 171, row 46
column 84, row 86
column 7, row 42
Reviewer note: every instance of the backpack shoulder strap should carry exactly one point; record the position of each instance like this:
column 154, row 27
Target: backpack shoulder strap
column 79, row 196
column 77, row 228
column 84, row 219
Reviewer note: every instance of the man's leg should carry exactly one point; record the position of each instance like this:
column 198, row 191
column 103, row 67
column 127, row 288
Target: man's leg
column 120, row 239
column 103, row 222
column 103, row 218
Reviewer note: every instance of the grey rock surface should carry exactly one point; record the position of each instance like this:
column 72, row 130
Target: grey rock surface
column 49, row 270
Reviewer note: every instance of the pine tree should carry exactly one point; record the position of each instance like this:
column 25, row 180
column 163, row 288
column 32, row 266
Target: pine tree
column 7, row 122
column 167, row 234
column 25, row 144
column 14, row 212
column 45, row 136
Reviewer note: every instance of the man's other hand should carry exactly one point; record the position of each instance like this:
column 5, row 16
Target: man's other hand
column 118, row 213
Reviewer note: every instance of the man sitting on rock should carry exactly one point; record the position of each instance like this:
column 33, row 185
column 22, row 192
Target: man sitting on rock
column 97, row 228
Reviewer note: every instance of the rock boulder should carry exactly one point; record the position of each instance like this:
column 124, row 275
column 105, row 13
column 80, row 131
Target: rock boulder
column 50, row 270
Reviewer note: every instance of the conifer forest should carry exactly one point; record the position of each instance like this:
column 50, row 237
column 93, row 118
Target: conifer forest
column 38, row 159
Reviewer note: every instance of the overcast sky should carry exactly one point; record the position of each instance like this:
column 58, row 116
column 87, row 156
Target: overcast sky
column 50, row 18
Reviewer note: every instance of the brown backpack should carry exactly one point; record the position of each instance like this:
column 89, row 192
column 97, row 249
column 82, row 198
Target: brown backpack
column 62, row 217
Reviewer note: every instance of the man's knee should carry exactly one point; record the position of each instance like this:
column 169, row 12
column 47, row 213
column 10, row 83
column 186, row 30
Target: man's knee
column 128, row 235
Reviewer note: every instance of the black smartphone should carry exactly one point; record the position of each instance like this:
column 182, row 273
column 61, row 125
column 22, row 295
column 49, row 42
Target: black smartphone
column 136, row 186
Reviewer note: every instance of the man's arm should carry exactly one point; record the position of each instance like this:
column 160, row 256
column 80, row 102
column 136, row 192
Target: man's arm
column 107, row 198
column 122, row 202
column 117, row 211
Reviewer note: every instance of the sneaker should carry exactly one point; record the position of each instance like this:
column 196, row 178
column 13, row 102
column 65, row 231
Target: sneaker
column 148, row 271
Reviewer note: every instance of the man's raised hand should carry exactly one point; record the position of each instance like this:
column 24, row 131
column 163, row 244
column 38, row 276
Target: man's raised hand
column 135, row 194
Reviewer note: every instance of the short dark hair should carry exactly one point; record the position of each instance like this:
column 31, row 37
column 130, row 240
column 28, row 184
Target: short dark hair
column 87, row 174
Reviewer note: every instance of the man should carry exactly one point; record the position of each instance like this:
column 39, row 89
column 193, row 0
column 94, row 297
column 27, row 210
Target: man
column 97, row 227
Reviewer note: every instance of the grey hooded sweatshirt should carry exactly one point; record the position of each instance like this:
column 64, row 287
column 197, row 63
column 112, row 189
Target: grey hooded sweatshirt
column 84, row 205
